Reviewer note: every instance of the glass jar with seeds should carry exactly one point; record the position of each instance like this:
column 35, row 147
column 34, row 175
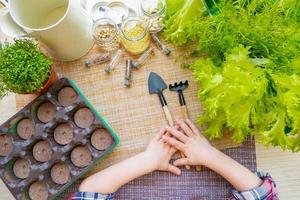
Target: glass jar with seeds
column 153, row 11
column 135, row 35
column 105, row 33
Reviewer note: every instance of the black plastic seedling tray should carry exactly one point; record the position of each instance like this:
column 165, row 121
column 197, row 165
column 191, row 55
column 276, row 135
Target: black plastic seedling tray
column 15, row 147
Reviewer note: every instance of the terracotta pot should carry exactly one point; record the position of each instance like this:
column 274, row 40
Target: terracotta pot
column 52, row 78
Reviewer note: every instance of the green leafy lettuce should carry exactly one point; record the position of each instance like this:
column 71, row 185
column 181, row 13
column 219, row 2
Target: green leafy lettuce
column 180, row 21
column 248, row 98
column 250, row 78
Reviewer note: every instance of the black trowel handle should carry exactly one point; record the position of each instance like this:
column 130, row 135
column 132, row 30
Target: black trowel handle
column 4, row 2
column 166, row 109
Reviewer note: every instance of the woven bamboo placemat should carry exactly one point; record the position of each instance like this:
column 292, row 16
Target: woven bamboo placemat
column 134, row 114
column 191, row 185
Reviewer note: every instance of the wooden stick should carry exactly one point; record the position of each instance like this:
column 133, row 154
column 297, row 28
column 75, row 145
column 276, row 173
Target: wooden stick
column 168, row 115
column 198, row 168
column 171, row 123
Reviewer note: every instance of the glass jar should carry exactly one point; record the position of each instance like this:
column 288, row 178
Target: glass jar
column 105, row 33
column 135, row 36
column 154, row 12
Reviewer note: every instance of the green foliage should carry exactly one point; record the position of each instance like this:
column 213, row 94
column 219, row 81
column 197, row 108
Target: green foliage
column 23, row 68
column 181, row 18
column 249, row 98
column 270, row 29
column 3, row 90
column 250, row 81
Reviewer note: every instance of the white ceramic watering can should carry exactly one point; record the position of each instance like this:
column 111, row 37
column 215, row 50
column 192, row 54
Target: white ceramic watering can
column 63, row 25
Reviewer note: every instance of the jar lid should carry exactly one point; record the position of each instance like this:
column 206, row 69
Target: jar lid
column 99, row 10
column 119, row 10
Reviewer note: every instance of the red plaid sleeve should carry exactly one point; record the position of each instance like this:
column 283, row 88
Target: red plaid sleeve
column 266, row 191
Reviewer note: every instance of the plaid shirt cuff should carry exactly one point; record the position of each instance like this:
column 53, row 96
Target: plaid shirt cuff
column 266, row 191
column 90, row 196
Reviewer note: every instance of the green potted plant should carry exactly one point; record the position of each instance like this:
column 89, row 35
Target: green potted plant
column 24, row 69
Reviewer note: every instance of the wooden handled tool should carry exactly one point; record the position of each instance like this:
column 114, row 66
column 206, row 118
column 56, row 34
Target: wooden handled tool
column 171, row 123
column 156, row 85
column 179, row 87
column 168, row 115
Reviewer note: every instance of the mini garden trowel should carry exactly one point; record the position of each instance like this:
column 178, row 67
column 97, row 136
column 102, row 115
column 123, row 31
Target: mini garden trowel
column 156, row 85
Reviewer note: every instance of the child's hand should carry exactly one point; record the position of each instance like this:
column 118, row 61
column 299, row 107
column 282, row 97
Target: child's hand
column 160, row 153
column 196, row 148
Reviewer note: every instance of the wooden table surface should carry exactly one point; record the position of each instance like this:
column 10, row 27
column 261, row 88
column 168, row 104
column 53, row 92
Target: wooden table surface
column 283, row 166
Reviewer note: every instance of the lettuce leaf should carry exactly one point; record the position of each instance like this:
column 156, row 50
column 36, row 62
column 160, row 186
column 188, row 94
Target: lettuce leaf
column 180, row 23
column 247, row 98
column 250, row 78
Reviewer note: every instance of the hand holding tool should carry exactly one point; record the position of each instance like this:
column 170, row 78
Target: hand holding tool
column 156, row 85
column 179, row 87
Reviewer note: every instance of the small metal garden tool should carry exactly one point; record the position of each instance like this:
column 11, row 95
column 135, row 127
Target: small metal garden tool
column 179, row 87
column 156, row 85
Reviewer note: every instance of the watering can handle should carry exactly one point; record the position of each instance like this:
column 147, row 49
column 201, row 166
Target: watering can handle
column 4, row 2
column 7, row 24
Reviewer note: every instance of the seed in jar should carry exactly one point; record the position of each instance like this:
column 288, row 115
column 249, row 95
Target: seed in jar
column 152, row 10
column 105, row 32
column 139, row 46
